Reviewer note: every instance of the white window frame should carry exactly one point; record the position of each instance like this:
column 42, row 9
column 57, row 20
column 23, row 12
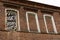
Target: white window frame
column 18, row 21
column 53, row 23
column 37, row 22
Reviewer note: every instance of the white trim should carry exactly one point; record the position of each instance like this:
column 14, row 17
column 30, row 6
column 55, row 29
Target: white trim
column 36, row 17
column 18, row 21
column 55, row 30
column 53, row 23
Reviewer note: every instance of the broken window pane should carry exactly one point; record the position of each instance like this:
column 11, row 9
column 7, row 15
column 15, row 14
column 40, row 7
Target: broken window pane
column 11, row 20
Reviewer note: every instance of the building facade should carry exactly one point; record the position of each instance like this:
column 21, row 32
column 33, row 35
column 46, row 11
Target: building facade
column 26, row 20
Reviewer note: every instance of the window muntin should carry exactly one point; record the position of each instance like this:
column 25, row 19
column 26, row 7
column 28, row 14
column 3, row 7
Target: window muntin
column 12, row 18
column 52, row 21
column 28, row 21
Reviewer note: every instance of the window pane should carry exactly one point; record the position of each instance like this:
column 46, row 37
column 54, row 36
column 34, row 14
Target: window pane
column 11, row 19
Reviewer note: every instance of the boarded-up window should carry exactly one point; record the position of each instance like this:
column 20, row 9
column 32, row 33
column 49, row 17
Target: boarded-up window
column 49, row 24
column 32, row 22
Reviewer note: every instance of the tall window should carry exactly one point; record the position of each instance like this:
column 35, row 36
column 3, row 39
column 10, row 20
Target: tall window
column 12, row 18
column 49, row 23
column 32, row 22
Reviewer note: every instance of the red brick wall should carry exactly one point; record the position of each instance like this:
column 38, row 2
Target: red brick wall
column 27, row 36
column 23, row 23
column 57, row 20
column 14, row 35
column 2, row 17
column 41, row 21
